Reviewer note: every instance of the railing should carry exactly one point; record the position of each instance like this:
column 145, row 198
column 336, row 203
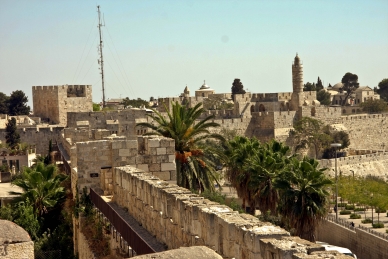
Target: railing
column 345, row 223
column 136, row 242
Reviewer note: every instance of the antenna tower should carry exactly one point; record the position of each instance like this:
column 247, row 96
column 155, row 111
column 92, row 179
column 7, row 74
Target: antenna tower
column 101, row 60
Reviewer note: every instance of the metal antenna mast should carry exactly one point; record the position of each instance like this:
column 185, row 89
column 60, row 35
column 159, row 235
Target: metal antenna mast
column 101, row 60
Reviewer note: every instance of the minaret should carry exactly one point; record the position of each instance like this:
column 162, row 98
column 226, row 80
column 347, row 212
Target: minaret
column 297, row 97
column 297, row 75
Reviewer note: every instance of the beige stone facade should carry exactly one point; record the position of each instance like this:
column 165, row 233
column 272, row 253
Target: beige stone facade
column 52, row 103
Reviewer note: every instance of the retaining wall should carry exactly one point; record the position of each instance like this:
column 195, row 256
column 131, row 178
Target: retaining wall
column 360, row 242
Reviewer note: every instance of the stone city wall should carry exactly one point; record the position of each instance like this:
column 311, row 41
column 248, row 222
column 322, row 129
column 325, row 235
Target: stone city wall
column 328, row 115
column 118, row 122
column 37, row 136
column 367, row 131
column 177, row 217
column 92, row 158
column 360, row 242
column 360, row 165
column 23, row 250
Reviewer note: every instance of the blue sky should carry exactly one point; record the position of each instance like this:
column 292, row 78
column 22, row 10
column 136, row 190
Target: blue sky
column 155, row 48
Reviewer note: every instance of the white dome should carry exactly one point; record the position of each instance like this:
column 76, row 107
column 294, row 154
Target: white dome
column 338, row 85
column 204, row 86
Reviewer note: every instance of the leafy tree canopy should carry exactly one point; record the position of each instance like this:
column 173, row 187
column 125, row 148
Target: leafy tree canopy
column 3, row 103
column 350, row 84
column 382, row 89
column 319, row 85
column 12, row 136
column 137, row 103
column 309, row 87
column 237, row 87
column 194, row 170
column 310, row 132
column 323, row 97
column 17, row 104
column 374, row 106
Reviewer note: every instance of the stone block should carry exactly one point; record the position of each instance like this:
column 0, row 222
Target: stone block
column 171, row 158
column 153, row 143
column 168, row 167
column 161, row 151
column 170, row 150
column 154, row 168
column 132, row 144
column 123, row 152
column 143, row 167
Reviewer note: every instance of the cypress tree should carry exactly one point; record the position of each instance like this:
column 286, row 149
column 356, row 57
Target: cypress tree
column 12, row 136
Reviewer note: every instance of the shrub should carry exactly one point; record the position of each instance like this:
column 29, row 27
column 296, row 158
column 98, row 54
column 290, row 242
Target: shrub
column 378, row 225
column 345, row 212
column 386, row 231
column 355, row 216
column 378, row 210
column 349, row 207
column 342, row 204
column 359, row 209
column 367, row 220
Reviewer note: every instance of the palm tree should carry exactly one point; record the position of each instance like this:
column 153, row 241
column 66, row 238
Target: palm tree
column 194, row 170
column 264, row 168
column 304, row 196
column 42, row 186
column 237, row 152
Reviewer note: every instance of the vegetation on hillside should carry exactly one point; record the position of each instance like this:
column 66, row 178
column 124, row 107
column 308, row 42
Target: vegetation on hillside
column 374, row 106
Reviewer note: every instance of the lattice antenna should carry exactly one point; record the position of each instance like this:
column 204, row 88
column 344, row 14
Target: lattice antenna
column 101, row 59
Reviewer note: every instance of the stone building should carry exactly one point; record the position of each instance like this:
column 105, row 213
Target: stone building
column 52, row 103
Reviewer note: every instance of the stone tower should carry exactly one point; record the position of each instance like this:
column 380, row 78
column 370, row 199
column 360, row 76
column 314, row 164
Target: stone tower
column 54, row 102
column 297, row 97
column 297, row 75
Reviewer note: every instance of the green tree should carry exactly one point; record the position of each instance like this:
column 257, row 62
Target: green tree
column 96, row 107
column 350, row 84
column 309, row 132
column 12, row 136
column 194, row 170
column 374, row 106
column 17, row 104
column 324, row 97
column 237, row 87
column 4, row 100
column 309, row 87
column 382, row 89
column 23, row 215
column 237, row 151
column 42, row 186
column 319, row 85
column 264, row 168
column 304, row 196
column 134, row 103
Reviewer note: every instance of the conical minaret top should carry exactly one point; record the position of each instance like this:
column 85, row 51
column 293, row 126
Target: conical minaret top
column 297, row 75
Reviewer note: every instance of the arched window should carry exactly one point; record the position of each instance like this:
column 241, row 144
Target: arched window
column 252, row 109
column 261, row 108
